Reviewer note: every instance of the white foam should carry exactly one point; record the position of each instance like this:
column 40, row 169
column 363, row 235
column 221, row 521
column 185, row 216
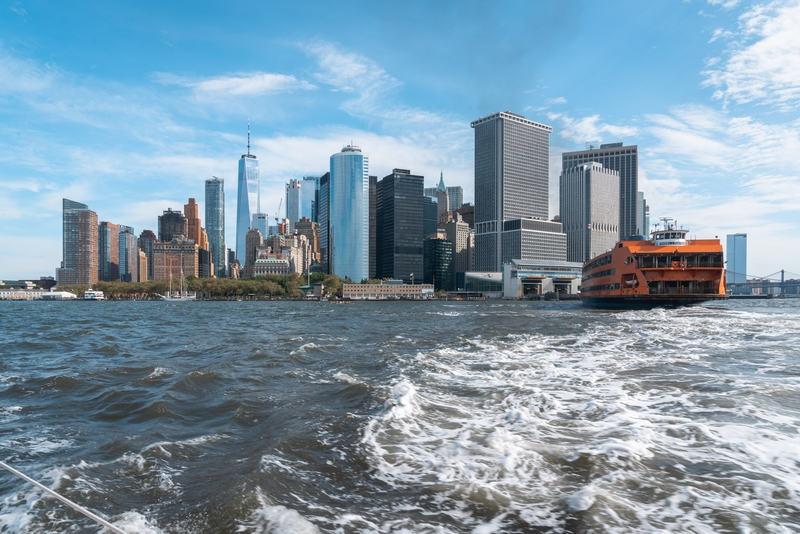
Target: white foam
column 159, row 371
column 344, row 377
column 136, row 523
column 271, row 519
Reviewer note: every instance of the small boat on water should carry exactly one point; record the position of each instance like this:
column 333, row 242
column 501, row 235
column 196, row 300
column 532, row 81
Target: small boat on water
column 666, row 270
column 92, row 294
column 182, row 295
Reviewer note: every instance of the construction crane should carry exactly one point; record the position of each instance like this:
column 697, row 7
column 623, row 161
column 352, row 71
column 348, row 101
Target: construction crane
column 277, row 214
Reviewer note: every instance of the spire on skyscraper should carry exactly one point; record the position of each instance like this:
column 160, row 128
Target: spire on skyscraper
column 441, row 186
column 248, row 137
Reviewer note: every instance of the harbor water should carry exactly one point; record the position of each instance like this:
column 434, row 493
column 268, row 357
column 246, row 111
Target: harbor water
column 426, row 417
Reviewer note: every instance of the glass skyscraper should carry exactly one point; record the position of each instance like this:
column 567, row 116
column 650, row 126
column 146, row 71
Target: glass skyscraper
column 215, row 225
column 248, row 200
column 348, row 237
column 399, row 226
column 309, row 196
column 128, row 255
column 736, row 251
column 79, row 245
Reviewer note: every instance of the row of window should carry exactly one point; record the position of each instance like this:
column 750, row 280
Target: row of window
column 604, row 287
column 603, row 260
column 598, row 274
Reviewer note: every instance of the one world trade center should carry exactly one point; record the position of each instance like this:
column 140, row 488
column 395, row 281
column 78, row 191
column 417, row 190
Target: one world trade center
column 248, row 200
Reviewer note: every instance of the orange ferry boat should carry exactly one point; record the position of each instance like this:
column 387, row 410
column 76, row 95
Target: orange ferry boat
column 666, row 270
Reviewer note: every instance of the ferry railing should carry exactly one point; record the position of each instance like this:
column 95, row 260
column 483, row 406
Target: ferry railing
column 78, row 508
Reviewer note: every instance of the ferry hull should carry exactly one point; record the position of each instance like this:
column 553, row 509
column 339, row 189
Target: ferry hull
column 647, row 302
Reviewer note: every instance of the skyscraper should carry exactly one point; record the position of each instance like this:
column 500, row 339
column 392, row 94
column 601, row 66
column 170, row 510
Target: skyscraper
column 171, row 224
column 399, row 225
column 457, row 232
column 511, row 180
column 194, row 227
column 736, row 267
column 294, row 202
column 624, row 160
column 248, row 200
column 430, row 218
column 589, row 210
column 108, row 252
column 324, row 216
column 455, row 194
column 146, row 241
column 309, row 198
column 642, row 215
column 79, row 234
column 348, row 237
column 215, row 224
column 373, row 223
column 260, row 222
column 442, row 198
column 128, row 255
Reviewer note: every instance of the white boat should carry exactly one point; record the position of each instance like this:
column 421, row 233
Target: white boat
column 91, row 294
column 181, row 295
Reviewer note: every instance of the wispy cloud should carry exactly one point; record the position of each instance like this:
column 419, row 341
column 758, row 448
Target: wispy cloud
column 763, row 63
column 18, row 9
column 726, row 4
column 590, row 128
column 240, row 84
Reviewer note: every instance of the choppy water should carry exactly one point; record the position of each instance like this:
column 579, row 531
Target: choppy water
column 292, row 417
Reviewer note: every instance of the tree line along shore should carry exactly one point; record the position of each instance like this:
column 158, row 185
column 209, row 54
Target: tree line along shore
column 275, row 286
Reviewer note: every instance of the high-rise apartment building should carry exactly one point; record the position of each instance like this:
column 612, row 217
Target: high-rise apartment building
column 143, row 266
column 624, row 160
column 309, row 197
column 260, row 222
column 194, row 228
column 643, row 215
column 171, row 224
column 511, row 180
column 736, row 266
column 215, row 225
column 248, row 200
column 348, row 235
column 399, row 225
column 589, row 210
column 146, row 240
column 79, row 246
column 108, row 252
column 294, row 202
column 128, row 255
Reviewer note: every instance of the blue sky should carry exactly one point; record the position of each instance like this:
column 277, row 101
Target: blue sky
column 130, row 106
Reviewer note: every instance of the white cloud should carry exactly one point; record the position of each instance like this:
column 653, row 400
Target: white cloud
column 726, row 4
column 241, row 84
column 763, row 65
column 590, row 128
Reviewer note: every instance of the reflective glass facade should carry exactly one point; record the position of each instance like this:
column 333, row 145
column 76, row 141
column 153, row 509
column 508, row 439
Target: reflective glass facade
column 309, row 197
column 108, row 252
column 324, row 220
column 248, row 200
column 348, row 234
column 128, row 255
column 736, row 251
column 215, row 225
column 399, row 226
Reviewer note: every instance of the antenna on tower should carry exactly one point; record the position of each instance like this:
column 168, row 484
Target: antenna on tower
column 248, row 137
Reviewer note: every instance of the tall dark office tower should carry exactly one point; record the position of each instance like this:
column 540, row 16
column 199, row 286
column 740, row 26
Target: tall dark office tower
column 146, row 240
column 373, row 221
column 79, row 265
column 625, row 160
column 399, row 226
column 438, row 266
column 430, row 216
column 108, row 252
column 215, row 224
column 323, row 214
column 170, row 225
column 511, row 180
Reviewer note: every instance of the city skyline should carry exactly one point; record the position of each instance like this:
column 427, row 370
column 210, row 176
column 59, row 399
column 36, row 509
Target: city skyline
column 706, row 89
